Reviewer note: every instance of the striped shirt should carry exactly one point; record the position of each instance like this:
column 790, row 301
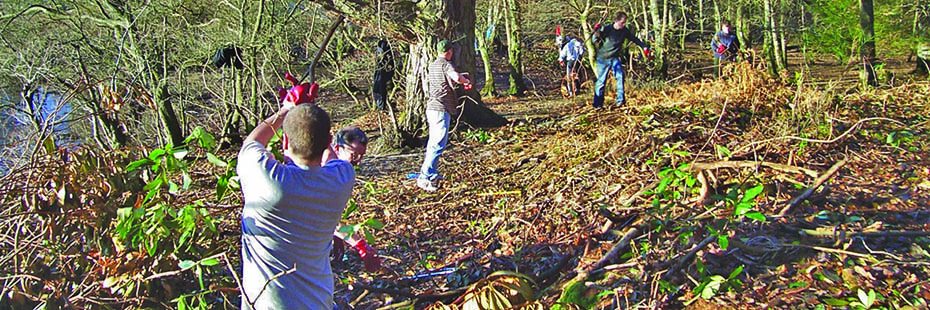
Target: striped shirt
column 440, row 75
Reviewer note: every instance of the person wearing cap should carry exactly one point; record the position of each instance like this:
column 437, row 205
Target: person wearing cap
column 441, row 105
column 611, row 39
column 350, row 145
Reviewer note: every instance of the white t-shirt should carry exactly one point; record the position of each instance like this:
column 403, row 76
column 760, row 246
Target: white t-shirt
column 571, row 51
column 288, row 220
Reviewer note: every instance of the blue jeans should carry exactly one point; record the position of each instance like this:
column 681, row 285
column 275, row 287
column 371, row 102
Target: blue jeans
column 614, row 64
column 438, row 139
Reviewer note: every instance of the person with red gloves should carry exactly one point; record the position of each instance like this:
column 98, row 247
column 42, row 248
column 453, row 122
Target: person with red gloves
column 610, row 41
column 725, row 45
column 291, row 209
column 350, row 145
column 441, row 107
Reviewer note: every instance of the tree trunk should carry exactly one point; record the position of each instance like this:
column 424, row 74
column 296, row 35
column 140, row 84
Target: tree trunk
column 418, row 59
column 783, row 42
column 169, row 120
column 659, row 26
column 742, row 27
column 456, row 21
column 701, row 18
column 586, row 31
column 867, row 50
column 485, row 42
column 771, row 49
column 514, row 47
column 923, row 58
column 419, row 23
column 684, row 24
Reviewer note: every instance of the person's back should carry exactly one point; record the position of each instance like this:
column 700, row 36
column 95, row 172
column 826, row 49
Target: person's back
column 288, row 218
column 571, row 51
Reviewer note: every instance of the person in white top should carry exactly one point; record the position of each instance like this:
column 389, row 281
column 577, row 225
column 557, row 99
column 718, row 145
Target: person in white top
column 290, row 211
column 570, row 56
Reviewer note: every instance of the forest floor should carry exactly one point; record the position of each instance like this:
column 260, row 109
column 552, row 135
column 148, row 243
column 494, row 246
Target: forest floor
column 693, row 186
column 742, row 192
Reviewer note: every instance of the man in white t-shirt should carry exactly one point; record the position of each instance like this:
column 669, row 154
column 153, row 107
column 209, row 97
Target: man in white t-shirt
column 290, row 211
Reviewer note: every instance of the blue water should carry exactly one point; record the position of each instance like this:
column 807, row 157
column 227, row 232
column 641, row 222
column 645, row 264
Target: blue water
column 17, row 132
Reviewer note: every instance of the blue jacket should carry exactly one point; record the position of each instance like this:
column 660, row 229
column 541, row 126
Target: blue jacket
column 728, row 40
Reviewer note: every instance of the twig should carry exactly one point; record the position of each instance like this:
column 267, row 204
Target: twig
column 838, row 138
column 618, row 247
column 319, row 52
column 752, row 164
column 688, row 256
column 876, row 234
column 275, row 277
column 829, row 250
column 810, row 190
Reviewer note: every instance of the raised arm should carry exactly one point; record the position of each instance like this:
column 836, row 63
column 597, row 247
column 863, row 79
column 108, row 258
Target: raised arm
column 267, row 128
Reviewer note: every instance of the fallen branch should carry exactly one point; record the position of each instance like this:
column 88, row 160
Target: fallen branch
column 419, row 298
column 687, row 257
column 838, row 138
column 810, row 190
column 843, row 234
column 618, row 247
column 753, row 164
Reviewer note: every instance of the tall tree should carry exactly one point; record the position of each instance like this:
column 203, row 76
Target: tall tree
column 513, row 17
column 584, row 9
column 486, row 35
column 774, row 42
column 867, row 49
column 660, row 27
column 921, row 31
column 419, row 24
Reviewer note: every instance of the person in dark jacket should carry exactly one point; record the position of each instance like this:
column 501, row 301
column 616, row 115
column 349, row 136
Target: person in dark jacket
column 611, row 39
column 383, row 74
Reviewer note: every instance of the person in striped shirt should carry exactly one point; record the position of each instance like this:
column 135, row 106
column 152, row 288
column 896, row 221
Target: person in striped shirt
column 441, row 105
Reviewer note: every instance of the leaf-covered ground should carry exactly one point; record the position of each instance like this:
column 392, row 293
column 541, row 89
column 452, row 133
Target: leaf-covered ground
column 671, row 201
column 549, row 195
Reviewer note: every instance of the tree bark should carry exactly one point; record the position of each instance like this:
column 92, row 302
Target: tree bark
column 684, row 24
column 867, row 49
column 418, row 59
column 584, row 13
column 701, row 17
column 659, row 27
column 515, row 47
column 923, row 58
column 485, row 42
column 742, row 26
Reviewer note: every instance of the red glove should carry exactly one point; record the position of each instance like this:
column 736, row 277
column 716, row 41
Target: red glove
column 597, row 26
column 369, row 256
column 721, row 49
column 299, row 93
column 647, row 52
